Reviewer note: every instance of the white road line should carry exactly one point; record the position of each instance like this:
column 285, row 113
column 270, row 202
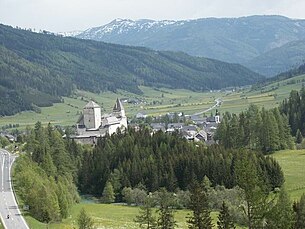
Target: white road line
column 18, row 211
column 2, row 171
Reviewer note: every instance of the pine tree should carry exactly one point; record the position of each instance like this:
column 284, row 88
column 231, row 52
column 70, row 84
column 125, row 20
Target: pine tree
column 145, row 219
column 299, row 137
column 255, row 196
column 225, row 220
column 166, row 218
column 84, row 221
column 281, row 215
column 299, row 209
column 200, row 218
column 108, row 193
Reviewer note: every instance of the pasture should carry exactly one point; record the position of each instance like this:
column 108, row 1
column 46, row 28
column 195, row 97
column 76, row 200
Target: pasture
column 159, row 101
column 292, row 163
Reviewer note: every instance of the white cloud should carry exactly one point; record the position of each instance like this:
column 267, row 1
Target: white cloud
column 67, row 15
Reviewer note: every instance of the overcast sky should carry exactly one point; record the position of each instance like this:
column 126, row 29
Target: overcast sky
column 70, row 15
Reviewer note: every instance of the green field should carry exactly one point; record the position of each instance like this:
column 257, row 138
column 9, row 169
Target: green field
column 108, row 216
column 159, row 101
column 292, row 163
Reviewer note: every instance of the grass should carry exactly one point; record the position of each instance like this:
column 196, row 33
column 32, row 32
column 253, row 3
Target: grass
column 109, row 216
column 159, row 101
column 292, row 163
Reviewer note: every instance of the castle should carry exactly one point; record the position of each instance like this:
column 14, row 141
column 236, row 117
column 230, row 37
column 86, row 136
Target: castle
column 92, row 124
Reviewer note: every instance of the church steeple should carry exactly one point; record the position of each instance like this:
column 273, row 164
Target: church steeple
column 118, row 108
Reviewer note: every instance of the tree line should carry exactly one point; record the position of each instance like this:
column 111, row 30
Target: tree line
column 294, row 109
column 257, row 129
column 164, row 160
column 46, row 175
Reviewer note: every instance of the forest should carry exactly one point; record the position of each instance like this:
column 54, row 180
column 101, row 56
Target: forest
column 163, row 172
column 36, row 69
column 124, row 166
column 257, row 129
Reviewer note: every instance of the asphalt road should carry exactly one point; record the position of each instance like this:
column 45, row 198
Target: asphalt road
column 8, row 205
column 217, row 104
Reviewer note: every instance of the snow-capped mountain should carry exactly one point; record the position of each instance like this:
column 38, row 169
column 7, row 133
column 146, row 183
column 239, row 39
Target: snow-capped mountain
column 235, row 40
column 70, row 34
column 125, row 26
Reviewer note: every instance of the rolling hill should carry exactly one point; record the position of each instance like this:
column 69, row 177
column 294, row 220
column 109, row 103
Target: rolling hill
column 235, row 40
column 37, row 69
column 279, row 59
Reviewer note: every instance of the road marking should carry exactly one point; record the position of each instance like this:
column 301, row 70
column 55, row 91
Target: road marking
column 2, row 172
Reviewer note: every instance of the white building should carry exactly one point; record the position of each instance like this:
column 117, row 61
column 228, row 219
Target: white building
column 92, row 124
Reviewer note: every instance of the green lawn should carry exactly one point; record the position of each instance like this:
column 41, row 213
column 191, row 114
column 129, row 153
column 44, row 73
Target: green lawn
column 293, row 164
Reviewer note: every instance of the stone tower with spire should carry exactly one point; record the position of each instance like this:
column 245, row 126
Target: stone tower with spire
column 119, row 112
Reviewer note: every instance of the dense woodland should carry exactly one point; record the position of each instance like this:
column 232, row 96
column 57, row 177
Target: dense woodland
column 164, row 160
column 257, row 129
column 46, row 176
column 234, row 177
column 294, row 109
column 38, row 68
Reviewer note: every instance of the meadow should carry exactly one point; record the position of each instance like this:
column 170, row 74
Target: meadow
column 109, row 216
column 121, row 217
column 156, row 101
column 292, row 163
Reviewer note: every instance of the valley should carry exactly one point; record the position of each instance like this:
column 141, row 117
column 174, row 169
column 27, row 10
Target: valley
column 156, row 102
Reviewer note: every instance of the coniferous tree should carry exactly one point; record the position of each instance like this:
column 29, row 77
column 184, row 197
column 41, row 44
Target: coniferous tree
column 299, row 137
column 199, row 206
column 255, row 194
column 84, row 221
column 281, row 215
column 145, row 218
column 225, row 220
column 108, row 193
column 166, row 218
column 299, row 209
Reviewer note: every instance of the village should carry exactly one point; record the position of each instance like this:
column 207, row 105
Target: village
column 92, row 124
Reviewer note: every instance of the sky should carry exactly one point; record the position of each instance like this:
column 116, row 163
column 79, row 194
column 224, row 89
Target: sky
column 71, row 15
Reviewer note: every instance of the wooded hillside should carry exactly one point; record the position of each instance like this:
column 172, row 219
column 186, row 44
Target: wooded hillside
column 36, row 69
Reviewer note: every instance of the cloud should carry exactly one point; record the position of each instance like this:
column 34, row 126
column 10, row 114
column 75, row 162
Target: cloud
column 67, row 15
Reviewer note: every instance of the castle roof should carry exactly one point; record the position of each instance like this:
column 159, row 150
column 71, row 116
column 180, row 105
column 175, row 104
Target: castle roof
column 92, row 104
column 118, row 106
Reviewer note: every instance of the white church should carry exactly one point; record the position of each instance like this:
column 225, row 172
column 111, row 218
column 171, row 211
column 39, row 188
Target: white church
column 92, row 124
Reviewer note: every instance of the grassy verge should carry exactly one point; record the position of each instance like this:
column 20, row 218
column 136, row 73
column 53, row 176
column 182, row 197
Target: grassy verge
column 292, row 163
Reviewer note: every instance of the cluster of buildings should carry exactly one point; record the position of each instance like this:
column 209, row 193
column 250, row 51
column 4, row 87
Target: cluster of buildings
column 92, row 124
column 201, row 129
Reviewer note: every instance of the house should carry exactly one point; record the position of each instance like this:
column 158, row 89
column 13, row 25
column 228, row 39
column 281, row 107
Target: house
column 141, row 115
column 172, row 127
column 157, row 127
column 201, row 136
column 191, row 130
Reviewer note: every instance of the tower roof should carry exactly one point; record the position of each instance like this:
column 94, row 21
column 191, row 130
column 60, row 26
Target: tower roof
column 92, row 104
column 118, row 106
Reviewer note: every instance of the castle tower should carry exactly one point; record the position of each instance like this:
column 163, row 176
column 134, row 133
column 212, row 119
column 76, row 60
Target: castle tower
column 92, row 115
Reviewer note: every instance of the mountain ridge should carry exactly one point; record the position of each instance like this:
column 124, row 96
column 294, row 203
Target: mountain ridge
column 46, row 66
column 234, row 40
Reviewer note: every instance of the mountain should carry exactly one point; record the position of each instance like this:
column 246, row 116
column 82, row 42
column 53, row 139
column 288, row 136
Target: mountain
column 279, row 59
column 38, row 68
column 235, row 40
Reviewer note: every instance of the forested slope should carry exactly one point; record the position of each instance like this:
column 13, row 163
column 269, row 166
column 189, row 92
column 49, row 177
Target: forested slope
column 36, row 69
